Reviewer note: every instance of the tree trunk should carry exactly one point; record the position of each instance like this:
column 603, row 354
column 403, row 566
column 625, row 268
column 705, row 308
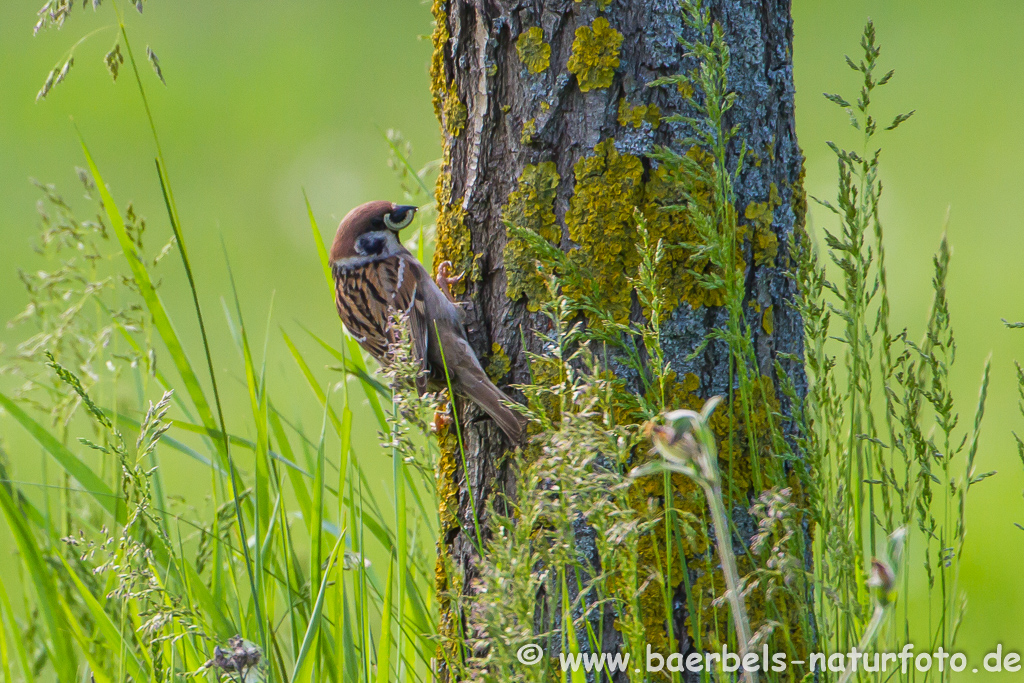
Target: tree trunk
column 546, row 112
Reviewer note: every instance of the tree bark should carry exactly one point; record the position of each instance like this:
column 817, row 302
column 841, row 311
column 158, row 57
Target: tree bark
column 545, row 98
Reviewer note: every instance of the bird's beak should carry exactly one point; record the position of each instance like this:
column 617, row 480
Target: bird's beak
column 402, row 208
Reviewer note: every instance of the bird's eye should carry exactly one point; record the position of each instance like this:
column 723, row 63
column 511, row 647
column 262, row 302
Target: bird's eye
column 400, row 218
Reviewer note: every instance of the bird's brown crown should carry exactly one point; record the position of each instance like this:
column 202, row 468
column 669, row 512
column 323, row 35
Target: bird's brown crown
column 370, row 217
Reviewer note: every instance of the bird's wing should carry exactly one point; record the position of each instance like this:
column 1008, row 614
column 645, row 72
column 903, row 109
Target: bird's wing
column 368, row 297
column 402, row 274
column 362, row 307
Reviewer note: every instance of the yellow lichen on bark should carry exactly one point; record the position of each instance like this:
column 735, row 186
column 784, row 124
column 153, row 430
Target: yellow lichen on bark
column 455, row 115
column 595, row 54
column 499, row 363
column 448, row 510
column 533, row 51
column 450, row 111
column 609, row 185
column 637, row 115
column 761, row 216
column 453, row 244
column 438, row 78
column 453, row 239
column 676, row 229
column 657, row 557
column 547, row 372
column 798, row 204
column 529, row 130
column 447, row 487
column 530, row 207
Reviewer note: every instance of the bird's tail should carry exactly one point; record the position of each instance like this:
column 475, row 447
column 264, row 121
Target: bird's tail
column 511, row 422
column 475, row 385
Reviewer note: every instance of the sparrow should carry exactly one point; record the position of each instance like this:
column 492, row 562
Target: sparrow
column 375, row 277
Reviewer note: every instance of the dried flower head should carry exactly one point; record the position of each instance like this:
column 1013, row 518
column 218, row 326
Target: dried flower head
column 241, row 657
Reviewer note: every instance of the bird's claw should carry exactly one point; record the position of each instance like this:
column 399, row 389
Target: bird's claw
column 442, row 419
column 445, row 280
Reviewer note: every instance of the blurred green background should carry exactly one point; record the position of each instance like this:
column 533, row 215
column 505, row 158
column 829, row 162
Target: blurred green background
column 264, row 100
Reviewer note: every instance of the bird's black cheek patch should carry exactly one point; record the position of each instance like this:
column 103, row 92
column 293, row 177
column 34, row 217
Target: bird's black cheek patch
column 371, row 245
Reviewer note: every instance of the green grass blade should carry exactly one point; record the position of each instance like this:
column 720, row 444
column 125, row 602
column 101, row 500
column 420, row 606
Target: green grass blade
column 217, row 434
column 402, row 536
column 62, row 655
column 340, row 616
column 384, row 646
column 316, row 520
column 365, row 635
column 303, row 665
column 350, row 367
column 341, row 425
column 577, row 675
column 213, row 608
column 342, row 641
column 155, row 306
column 7, row 612
column 104, row 624
column 294, row 475
column 293, row 570
column 90, row 481
column 351, row 656
column 5, row 655
column 184, row 368
column 345, row 449
column 258, row 405
column 97, row 673
column 355, row 355
column 306, row 371
column 318, row 240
